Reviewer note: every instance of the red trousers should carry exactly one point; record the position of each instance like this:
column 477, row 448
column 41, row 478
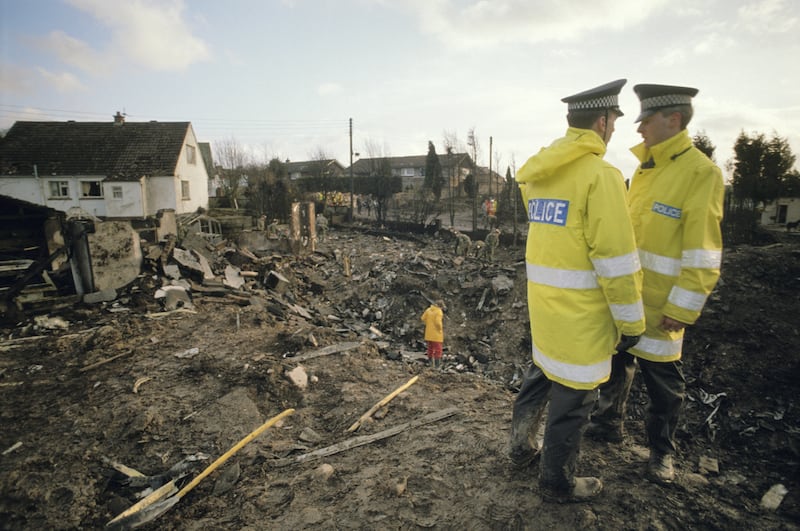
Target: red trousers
column 434, row 350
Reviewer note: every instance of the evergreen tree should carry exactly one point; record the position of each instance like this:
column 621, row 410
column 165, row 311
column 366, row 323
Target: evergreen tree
column 762, row 168
column 434, row 180
column 704, row 144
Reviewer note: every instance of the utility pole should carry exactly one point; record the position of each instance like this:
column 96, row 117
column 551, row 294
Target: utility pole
column 450, row 184
column 352, row 185
column 473, row 143
column 490, row 167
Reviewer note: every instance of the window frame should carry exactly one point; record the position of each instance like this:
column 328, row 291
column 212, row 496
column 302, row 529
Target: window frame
column 58, row 189
column 99, row 185
column 191, row 154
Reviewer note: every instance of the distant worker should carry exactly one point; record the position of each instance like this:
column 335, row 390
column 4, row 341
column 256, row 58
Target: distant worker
column 322, row 226
column 434, row 332
column 492, row 242
column 272, row 229
column 480, row 249
column 463, row 244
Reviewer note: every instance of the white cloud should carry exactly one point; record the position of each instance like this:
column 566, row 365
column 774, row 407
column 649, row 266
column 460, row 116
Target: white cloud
column 671, row 57
column 16, row 80
column 73, row 51
column 772, row 16
column 713, row 43
column 469, row 24
column 151, row 33
column 61, row 81
column 326, row 89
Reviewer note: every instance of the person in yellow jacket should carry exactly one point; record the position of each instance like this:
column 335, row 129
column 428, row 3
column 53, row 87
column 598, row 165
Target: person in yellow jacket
column 584, row 289
column 676, row 202
column 433, row 318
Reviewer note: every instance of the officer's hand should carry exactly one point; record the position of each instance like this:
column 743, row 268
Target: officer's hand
column 626, row 342
column 671, row 325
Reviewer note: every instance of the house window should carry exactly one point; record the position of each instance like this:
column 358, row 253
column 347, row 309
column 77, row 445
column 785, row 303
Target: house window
column 116, row 192
column 407, row 172
column 185, row 190
column 59, row 189
column 91, row 189
column 191, row 155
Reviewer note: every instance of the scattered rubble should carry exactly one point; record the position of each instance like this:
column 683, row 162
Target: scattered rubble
column 194, row 353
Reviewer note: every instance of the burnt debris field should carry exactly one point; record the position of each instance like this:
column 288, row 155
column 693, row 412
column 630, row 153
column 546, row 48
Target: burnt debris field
column 104, row 402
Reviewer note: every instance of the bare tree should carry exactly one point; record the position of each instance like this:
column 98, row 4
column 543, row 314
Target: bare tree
column 450, row 143
column 381, row 171
column 474, row 145
column 232, row 160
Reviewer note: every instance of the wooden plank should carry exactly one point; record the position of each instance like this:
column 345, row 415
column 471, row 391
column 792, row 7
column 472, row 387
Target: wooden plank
column 103, row 362
column 385, row 400
column 331, row 349
column 362, row 440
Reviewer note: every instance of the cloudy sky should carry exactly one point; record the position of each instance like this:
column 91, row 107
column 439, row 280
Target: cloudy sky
column 282, row 77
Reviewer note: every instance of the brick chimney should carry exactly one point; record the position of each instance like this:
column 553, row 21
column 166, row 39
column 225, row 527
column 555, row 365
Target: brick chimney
column 119, row 118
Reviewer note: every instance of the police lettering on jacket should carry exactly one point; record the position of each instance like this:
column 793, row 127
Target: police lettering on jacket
column 550, row 211
column 666, row 210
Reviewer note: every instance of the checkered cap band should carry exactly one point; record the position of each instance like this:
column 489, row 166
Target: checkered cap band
column 603, row 102
column 666, row 100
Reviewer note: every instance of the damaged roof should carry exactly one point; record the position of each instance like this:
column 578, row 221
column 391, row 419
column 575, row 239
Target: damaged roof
column 121, row 151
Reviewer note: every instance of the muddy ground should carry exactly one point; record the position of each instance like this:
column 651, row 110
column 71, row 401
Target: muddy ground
column 123, row 382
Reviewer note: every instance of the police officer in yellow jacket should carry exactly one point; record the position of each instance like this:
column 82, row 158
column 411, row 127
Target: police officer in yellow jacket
column 676, row 202
column 584, row 289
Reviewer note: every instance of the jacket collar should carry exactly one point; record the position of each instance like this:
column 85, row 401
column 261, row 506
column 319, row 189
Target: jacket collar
column 663, row 152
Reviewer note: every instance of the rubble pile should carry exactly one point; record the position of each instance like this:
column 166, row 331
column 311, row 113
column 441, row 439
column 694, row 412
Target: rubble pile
column 121, row 395
column 375, row 292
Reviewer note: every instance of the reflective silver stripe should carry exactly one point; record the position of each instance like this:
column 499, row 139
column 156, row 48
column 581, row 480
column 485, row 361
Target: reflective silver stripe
column 660, row 264
column 629, row 313
column 690, row 300
column 571, row 372
column 659, row 347
column 701, row 259
column 562, row 278
column 617, row 266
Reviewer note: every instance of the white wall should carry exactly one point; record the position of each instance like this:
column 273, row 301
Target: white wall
column 770, row 213
column 129, row 205
column 26, row 188
column 196, row 175
column 29, row 188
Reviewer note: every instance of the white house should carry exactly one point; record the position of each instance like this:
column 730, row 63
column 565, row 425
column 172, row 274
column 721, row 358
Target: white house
column 781, row 211
column 113, row 169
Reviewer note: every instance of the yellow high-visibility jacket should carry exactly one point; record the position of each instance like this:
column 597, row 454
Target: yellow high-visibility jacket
column 676, row 202
column 432, row 317
column 584, row 278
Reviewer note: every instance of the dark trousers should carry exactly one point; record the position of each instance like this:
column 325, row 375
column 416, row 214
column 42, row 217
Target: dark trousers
column 666, row 388
column 567, row 417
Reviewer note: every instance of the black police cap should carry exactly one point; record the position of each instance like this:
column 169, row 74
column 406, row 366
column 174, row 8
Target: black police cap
column 655, row 97
column 597, row 98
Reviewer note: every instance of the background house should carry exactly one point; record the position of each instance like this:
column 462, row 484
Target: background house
column 781, row 211
column 113, row 169
column 314, row 168
column 411, row 169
